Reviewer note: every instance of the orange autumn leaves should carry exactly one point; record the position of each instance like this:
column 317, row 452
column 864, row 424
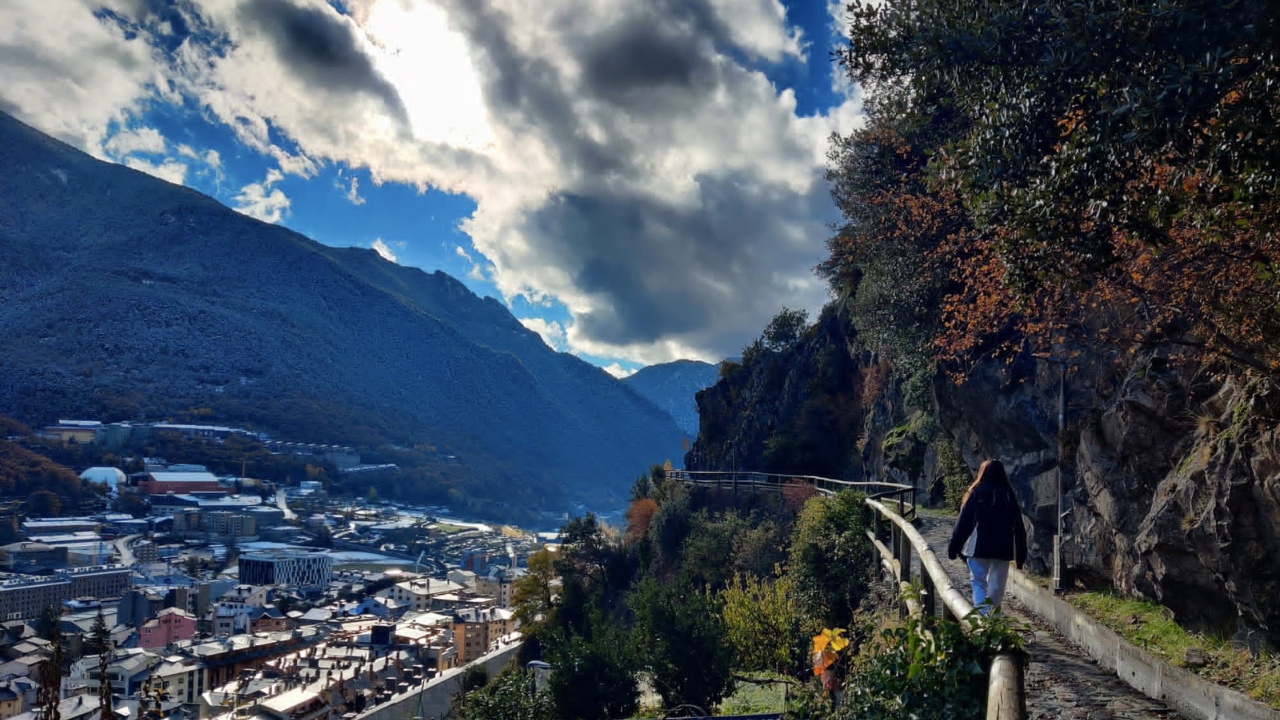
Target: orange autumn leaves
column 1207, row 281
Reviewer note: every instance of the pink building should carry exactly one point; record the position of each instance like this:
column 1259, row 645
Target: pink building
column 170, row 625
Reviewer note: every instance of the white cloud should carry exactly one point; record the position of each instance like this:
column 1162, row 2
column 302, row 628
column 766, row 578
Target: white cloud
column 70, row 73
column 462, row 253
column 551, row 331
column 141, row 140
column 384, row 250
column 624, row 160
column 261, row 201
column 353, row 194
column 169, row 170
column 618, row 371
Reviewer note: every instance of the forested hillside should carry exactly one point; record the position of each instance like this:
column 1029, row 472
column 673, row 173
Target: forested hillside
column 672, row 387
column 123, row 297
column 1087, row 190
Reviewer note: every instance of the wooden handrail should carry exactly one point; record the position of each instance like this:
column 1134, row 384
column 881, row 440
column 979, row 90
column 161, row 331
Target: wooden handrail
column 1006, row 695
column 777, row 481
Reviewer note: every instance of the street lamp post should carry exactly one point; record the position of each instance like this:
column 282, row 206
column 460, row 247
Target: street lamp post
column 1058, row 584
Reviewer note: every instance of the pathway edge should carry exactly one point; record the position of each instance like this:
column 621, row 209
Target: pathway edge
column 1185, row 691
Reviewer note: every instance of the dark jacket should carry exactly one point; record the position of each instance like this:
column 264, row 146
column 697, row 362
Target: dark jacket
column 993, row 510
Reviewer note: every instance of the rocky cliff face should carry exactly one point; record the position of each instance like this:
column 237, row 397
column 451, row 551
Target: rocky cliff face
column 1171, row 476
column 1171, row 472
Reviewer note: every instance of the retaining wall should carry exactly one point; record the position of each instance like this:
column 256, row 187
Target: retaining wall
column 1185, row 691
column 438, row 693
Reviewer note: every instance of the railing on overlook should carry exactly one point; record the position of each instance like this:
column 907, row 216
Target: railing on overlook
column 894, row 508
column 898, row 495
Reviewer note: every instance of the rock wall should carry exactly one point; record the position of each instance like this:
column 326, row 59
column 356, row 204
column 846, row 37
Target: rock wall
column 1172, row 477
column 1171, row 470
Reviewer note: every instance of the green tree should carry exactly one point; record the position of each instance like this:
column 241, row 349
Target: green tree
column 707, row 552
column 101, row 640
column 44, row 503
column 766, row 627
column 49, row 691
column 831, row 558
column 372, row 496
column 594, row 674
column 510, row 696
column 760, row 549
column 683, row 642
column 785, row 329
column 532, row 597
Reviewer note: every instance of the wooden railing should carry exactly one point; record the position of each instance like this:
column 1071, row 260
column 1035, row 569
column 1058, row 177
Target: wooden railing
column 899, row 495
column 1006, row 697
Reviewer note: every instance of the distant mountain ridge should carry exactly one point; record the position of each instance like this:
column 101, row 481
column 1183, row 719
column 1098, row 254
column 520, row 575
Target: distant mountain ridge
column 122, row 295
column 672, row 387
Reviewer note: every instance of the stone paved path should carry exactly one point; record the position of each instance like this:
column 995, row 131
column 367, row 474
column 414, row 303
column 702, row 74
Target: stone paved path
column 1063, row 683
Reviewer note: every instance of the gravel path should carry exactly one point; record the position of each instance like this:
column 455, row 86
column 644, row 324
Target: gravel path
column 1063, row 683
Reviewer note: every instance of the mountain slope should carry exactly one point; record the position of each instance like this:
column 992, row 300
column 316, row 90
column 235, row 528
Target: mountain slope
column 672, row 387
column 124, row 295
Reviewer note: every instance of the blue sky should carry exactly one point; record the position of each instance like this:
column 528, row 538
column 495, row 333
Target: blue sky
column 639, row 182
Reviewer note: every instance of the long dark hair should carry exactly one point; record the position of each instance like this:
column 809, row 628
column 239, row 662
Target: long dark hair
column 990, row 472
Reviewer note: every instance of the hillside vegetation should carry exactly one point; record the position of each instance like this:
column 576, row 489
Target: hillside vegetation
column 705, row 592
column 672, row 387
column 1049, row 191
column 123, row 297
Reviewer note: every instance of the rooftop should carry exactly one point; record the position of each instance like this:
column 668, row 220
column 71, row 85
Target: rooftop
column 182, row 477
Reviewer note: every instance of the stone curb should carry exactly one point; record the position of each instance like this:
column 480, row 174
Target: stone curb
column 1186, row 692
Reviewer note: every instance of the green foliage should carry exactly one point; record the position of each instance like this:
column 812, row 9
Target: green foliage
column 905, row 446
column 474, row 677
column 706, row 556
column 684, row 647
column 44, row 503
column 594, row 675
column 797, row 410
column 510, row 696
column 765, row 625
column 531, row 597
column 671, row 525
column 953, row 475
column 831, row 558
column 785, row 329
column 26, row 474
column 49, row 692
column 927, row 668
column 760, row 548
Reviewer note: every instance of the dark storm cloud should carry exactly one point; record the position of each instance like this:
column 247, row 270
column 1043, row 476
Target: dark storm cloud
column 638, row 57
column 711, row 272
column 663, row 269
column 321, row 49
column 528, row 90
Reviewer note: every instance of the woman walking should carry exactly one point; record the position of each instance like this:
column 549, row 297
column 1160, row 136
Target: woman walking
column 989, row 534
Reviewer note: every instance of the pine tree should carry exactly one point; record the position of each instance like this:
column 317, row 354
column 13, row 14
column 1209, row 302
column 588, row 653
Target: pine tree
column 102, row 639
column 49, row 692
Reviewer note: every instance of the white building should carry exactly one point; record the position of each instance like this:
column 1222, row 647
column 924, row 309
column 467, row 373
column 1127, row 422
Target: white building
column 417, row 594
column 292, row 568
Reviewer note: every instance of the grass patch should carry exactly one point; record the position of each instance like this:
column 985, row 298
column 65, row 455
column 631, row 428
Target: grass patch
column 752, row 699
column 1151, row 627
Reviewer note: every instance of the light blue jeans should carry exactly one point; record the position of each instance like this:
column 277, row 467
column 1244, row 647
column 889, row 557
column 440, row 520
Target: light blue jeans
column 988, row 579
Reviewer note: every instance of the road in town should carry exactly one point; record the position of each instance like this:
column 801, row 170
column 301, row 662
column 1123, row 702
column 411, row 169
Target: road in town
column 124, row 546
column 284, row 506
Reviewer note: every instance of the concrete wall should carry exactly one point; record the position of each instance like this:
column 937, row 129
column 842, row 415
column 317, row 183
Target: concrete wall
column 437, row 694
column 1186, row 692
